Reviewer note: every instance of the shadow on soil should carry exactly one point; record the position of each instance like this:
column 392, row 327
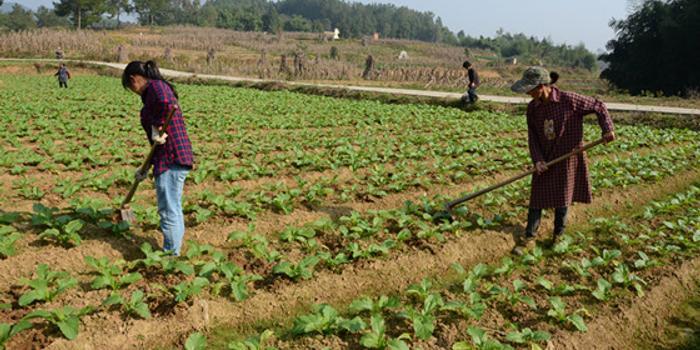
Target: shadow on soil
column 335, row 213
column 687, row 323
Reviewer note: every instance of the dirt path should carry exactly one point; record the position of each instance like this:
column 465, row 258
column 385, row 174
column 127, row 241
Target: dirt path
column 623, row 107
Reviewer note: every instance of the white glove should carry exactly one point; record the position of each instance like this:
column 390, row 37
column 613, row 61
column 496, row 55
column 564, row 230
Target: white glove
column 157, row 137
column 140, row 175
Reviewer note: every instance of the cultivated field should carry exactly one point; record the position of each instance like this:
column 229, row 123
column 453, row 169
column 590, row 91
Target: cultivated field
column 310, row 226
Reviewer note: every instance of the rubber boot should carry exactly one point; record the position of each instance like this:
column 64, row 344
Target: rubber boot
column 560, row 215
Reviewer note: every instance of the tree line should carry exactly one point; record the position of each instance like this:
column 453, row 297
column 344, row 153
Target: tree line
column 354, row 19
column 657, row 49
column 532, row 50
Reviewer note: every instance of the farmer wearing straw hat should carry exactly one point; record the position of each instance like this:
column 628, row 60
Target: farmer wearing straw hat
column 555, row 128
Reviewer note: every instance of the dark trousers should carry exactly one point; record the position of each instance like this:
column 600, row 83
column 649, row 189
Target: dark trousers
column 62, row 84
column 473, row 97
column 534, row 217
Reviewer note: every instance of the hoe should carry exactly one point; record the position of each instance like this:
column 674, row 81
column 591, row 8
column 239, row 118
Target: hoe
column 126, row 211
column 446, row 215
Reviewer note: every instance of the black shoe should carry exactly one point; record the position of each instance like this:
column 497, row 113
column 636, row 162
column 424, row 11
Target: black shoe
column 556, row 234
column 520, row 247
column 555, row 237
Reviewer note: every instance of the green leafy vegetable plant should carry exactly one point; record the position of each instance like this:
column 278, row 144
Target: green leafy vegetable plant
column 558, row 313
column 375, row 338
column 110, row 274
column 256, row 342
column 326, row 320
column 135, row 305
column 46, row 286
column 66, row 319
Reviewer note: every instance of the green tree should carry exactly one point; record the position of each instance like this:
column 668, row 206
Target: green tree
column 81, row 12
column 529, row 48
column 47, row 18
column 656, row 49
column 116, row 7
column 355, row 19
column 189, row 12
column 207, row 16
column 151, row 12
column 250, row 22
column 20, row 18
column 298, row 24
column 317, row 26
column 271, row 21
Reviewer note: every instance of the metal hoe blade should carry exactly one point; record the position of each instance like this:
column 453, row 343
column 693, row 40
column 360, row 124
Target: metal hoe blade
column 126, row 212
column 443, row 216
column 128, row 215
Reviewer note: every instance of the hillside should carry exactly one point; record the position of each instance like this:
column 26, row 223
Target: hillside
column 351, row 20
column 427, row 65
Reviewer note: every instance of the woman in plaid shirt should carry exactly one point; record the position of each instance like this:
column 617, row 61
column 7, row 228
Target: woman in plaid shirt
column 555, row 128
column 173, row 159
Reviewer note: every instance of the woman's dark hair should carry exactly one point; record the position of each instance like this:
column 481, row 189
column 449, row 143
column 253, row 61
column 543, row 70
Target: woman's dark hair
column 148, row 70
column 554, row 78
column 466, row 64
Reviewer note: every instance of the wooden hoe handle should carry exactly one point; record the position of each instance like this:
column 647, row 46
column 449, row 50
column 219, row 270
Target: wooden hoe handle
column 469, row 197
column 147, row 162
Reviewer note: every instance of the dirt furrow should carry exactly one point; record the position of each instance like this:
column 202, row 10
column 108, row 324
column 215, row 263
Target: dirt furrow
column 620, row 329
column 58, row 258
column 377, row 277
column 216, row 233
column 269, row 223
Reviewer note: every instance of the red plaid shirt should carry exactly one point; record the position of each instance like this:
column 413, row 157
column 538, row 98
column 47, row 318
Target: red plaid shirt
column 554, row 129
column 158, row 99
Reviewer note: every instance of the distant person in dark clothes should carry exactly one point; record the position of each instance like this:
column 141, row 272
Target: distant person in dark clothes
column 63, row 75
column 59, row 54
column 474, row 83
column 555, row 128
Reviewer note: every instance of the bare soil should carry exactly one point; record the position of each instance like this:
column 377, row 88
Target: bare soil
column 623, row 327
column 279, row 305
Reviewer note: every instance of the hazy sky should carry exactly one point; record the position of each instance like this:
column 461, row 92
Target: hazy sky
column 569, row 21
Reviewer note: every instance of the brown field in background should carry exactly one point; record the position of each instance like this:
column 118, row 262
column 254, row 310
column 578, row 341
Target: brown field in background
column 306, row 56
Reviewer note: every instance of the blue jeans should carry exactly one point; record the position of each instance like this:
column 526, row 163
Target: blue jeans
column 473, row 97
column 169, row 186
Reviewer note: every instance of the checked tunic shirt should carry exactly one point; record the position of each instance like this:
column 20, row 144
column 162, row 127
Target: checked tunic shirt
column 555, row 128
column 158, row 99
